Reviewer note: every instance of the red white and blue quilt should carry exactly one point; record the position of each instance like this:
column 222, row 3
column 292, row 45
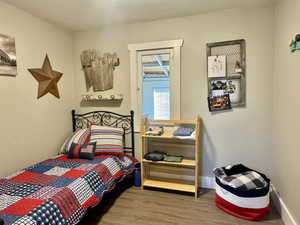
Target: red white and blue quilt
column 59, row 191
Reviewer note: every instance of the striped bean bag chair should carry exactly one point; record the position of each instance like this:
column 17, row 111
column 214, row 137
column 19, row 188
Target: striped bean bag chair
column 242, row 192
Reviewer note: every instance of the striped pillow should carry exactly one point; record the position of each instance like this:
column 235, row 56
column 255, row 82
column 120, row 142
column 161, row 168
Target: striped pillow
column 109, row 140
column 81, row 137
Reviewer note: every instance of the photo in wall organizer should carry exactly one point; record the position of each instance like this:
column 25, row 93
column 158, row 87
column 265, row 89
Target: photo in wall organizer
column 218, row 87
column 234, row 90
column 8, row 61
column 216, row 66
column 219, row 103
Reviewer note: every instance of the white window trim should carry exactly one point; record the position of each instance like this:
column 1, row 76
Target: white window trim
column 134, row 77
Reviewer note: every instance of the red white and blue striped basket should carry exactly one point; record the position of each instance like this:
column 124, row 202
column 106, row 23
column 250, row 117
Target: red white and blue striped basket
column 244, row 204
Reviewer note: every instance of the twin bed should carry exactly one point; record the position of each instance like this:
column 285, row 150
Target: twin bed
column 60, row 190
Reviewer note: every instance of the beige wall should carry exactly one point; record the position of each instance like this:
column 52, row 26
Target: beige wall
column 31, row 129
column 286, row 166
column 240, row 136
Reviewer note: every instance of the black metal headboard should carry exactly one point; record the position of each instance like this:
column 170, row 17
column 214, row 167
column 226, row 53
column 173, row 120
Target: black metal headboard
column 110, row 119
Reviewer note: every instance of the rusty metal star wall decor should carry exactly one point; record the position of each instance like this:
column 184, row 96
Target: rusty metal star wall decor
column 47, row 78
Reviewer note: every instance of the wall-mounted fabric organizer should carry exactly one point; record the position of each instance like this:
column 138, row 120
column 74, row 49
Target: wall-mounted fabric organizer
column 226, row 70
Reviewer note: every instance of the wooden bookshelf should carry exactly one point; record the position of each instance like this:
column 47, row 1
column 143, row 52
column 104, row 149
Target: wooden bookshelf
column 190, row 166
column 168, row 136
column 170, row 185
column 184, row 163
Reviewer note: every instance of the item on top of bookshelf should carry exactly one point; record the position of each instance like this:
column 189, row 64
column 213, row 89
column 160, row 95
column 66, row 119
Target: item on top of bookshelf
column 47, row 79
column 216, row 66
column 155, row 156
column 295, row 44
column 192, row 136
column 183, row 131
column 173, row 158
column 155, row 131
column 219, row 103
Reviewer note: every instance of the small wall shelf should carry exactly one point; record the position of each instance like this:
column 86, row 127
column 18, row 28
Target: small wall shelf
column 90, row 97
column 100, row 99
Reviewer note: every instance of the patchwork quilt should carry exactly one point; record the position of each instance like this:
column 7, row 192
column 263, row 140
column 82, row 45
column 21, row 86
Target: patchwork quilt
column 59, row 191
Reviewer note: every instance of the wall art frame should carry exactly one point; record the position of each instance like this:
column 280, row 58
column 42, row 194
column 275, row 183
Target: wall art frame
column 8, row 56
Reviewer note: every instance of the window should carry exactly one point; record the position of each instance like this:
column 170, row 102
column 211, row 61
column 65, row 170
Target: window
column 155, row 80
column 161, row 104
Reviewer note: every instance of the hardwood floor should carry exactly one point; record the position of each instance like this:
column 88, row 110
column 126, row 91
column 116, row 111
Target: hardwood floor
column 149, row 207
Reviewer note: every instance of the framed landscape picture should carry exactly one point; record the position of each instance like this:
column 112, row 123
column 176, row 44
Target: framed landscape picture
column 8, row 59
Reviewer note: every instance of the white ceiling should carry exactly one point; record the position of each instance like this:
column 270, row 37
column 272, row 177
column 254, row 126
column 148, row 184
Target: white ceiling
column 90, row 14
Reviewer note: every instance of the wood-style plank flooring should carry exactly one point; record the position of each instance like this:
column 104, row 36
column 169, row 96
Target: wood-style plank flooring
column 148, row 207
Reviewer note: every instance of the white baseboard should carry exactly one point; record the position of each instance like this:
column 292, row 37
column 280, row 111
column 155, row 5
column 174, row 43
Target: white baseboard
column 281, row 207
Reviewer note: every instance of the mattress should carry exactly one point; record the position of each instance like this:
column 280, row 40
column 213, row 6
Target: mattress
column 60, row 190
